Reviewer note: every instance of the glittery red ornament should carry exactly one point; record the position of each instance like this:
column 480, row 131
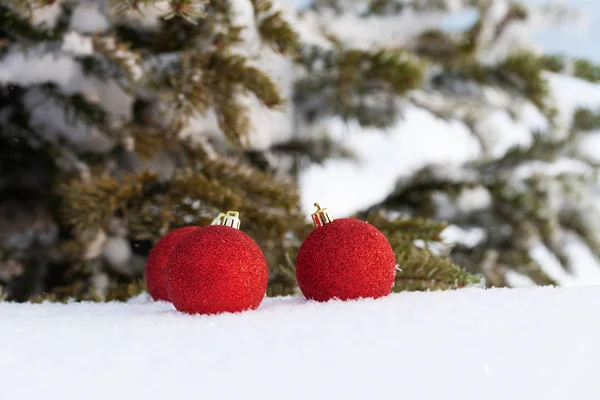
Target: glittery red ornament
column 216, row 269
column 157, row 262
column 344, row 259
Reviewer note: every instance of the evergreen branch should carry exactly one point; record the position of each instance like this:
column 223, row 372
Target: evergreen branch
column 387, row 7
column 384, row 7
column 586, row 70
column 273, row 27
column 235, row 70
column 221, row 24
column 76, row 107
column 523, row 264
column 282, row 277
column 585, row 120
column 438, row 46
column 397, row 68
column 524, row 72
column 580, row 68
column 553, row 63
column 232, row 116
column 315, row 150
column 27, row 7
column 542, row 148
column 19, row 26
column 520, row 72
column 148, row 201
column 420, row 270
column 417, row 192
column 88, row 206
column 356, row 84
column 79, row 292
column 407, row 229
column 216, row 80
column 129, row 61
column 189, row 10
column 257, row 185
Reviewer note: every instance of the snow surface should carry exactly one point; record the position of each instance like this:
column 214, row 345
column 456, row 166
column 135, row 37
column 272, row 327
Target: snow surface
column 534, row 343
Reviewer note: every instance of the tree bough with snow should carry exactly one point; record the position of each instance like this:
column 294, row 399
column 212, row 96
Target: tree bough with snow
column 121, row 120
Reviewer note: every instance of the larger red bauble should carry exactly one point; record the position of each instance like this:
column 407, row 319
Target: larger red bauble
column 157, row 262
column 216, row 269
column 345, row 259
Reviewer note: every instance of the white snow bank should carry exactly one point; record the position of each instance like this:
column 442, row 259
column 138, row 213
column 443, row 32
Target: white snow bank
column 534, row 343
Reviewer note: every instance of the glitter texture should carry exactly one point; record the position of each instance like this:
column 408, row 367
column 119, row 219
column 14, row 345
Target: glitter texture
column 157, row 262
column 345, row 259
column 216, row 269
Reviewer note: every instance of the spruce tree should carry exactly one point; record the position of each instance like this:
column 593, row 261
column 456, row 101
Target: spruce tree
column 538, row 195
column 121, row 120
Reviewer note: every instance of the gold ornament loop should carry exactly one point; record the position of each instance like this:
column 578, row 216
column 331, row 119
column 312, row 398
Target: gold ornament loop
column 321, row 216
column 218, row 219
column 231, row 219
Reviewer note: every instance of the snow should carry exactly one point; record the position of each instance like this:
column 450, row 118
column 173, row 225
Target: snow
column 23, row 69
column 87, row 18
column 571, row 93
column 472, row 237
column 534, row 343
column 417, row 139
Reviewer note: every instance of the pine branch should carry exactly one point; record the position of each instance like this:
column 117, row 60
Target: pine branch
column 419, row 268
column 374, row 8
column 120, row 53
column 422, row 271
column 153, row 205
column 273, row 27
column 15, row 22
column 586, row 70
column 586, row 120
column 216, row 30
column 523, row 70
column 356, row 84
column 88, row 206
column 190, row 10
column 553, row 63
column 523, row 264
column 282, row 279
column 406, row 230
column 235, row 69
column 520, row 73
column 315, row 150
column 217, row 80
column 76, row 107
column 257, row 185
column 542, row 148
column 27, row 7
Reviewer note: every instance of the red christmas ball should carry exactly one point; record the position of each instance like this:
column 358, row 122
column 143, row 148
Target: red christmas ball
column 345, row 259
column 156, row 262
column 216, row 269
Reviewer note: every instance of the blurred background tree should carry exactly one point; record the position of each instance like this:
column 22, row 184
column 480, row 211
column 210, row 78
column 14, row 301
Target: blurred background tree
column 123, row 119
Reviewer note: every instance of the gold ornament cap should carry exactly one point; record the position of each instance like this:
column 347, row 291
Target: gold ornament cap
column 218, row 219
column 321, row 216
column 231, row 219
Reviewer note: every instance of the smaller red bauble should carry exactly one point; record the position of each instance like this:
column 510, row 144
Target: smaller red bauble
column 156, row 262
column 216, row 269
column 345, row 259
